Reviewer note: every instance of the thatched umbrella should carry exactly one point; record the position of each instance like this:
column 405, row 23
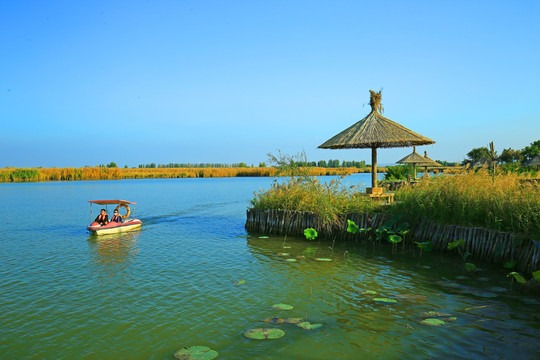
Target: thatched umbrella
column 534, row 161
column 415, row 159
column 429, row 162
column 375, row 131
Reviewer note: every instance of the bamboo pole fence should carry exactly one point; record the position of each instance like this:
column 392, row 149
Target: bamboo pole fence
column 484, row 244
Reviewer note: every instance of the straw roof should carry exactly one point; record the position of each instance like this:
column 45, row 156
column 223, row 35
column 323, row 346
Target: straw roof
column 429, row 161
column 482, row 162
column 412, row 158
column 535, row 161
column 375, row 131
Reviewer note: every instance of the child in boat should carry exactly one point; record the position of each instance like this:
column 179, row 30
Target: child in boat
column 117, row 218
column 102, row 219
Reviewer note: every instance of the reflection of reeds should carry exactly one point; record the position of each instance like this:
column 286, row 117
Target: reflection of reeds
column 504, row 202
column 105, row 173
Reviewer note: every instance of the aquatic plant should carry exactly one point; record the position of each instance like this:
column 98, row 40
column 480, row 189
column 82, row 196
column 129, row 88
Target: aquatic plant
column 264, row 334
column 306, row 325
column 322, row 259
column 282, row 307
column 385, row 300
column 310, row 233
column 514, row 275
column 196, row 353
column 433, row 322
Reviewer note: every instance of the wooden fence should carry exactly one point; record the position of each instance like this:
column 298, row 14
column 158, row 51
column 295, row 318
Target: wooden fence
column 485, row 244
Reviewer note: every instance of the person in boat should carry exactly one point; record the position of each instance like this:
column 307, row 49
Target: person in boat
column 102, row 219
column 117, row 218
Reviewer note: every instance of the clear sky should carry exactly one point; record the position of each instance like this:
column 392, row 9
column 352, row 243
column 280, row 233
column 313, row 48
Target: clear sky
column 90, row 82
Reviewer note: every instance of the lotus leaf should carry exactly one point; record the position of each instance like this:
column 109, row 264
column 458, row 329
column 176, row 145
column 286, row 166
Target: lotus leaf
column 520, row 279
column 241, row 282
column 451, row 318
column 352, row 227
column 322, row 259
column 432, row 322
column 310, row 233
column 282, row 307
column 385, row 300
column 196, row 353
column 306, row 325
column 469, row 267
column 369, row 292
column 293, row 320
column 454, row 244
column 291, row 260
column 263, row 237
column 300, row 257
column 286, row 247
column 536, row 275
column 425, row 246
column 394, row 239
column 264, row 334
column 282, row 254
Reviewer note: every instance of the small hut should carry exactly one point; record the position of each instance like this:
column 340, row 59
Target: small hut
column 413, row 158
column 535, row 161
column 373, row 132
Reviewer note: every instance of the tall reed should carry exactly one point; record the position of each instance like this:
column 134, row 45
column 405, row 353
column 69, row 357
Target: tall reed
column 505, row 202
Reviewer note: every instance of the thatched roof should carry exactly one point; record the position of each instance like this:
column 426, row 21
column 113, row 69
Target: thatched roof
column 482, row 162
column 375, row 131
column 535, row 161
column 412, row 158
column 429, row 161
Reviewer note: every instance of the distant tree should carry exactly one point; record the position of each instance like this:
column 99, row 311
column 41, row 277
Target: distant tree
column 262, row 164
column 531, row 151
column 476, row 154
column 321, row 163
column 510, row 155
column 111, row 165
column 125, row 167
column 242, row 164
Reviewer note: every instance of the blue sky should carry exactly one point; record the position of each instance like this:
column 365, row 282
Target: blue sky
column 89, row 82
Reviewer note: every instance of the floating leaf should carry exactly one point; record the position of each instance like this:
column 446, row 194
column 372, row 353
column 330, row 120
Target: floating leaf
column 404, row 232
column 536, row 275
column 291, row 260
column 385, row 301
column 520, row 279
column 196, row 353
column 293, row 320
column 469, row 267
column 306, row 325
column 404, row 226
column 352, row 227
column 364, row 229
column 300, row 257
column 394, row 239
column 286, row 247
column 454, row 244
column 282, row 254
column 243, row 236
column 310, row 233
column 466, row 255
column 510, row 264
column 369, row 292
column 263, row 237
column 425, row 246
column 264, row 334
column 322, row 259
column 432, row 322
column 282, row 307
column 241, row 282
column 451, row 318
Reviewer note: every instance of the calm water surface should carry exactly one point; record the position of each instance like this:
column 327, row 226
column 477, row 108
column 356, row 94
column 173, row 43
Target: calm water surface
column 67, row 295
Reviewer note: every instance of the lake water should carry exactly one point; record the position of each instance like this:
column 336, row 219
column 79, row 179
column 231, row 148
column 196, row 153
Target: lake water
column 65, row 294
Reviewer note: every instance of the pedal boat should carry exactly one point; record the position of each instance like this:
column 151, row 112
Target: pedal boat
column 113, row 227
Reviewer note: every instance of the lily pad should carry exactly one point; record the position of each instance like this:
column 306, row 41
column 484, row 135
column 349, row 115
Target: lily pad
column 451, row 318
column 352, row 227
column 240, row 282
column 454, row 244
column 196, row 353
column 385, row 300
column 394, row 239
column 300, row 257
column 291, row 260
column 536, row 275
column 286, row 247
column 284, row 320
column 469, row 267
column 462, row 277
column 293, row 320
column 322, row 259
column 263, row 237
column 283, row 254
column 520, row 279
column 369, row 292
column 282, row 307
column 310, row 233
column 432, row 322
column 264, row 334
column 306, row 325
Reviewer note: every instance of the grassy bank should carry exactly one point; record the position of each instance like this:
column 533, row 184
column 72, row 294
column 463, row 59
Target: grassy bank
column 105, row 173
column 505, row 202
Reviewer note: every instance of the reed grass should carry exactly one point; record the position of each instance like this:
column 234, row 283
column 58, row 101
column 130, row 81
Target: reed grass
column 330, row 202
column 105, row 173
column 505, row 202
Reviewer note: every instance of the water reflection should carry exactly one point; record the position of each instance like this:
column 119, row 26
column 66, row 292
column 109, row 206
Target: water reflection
column 113, row 254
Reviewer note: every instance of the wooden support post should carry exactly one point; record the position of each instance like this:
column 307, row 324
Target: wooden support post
column 373, row 167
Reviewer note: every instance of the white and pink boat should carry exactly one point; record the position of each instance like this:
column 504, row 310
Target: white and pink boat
column 113, row 227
